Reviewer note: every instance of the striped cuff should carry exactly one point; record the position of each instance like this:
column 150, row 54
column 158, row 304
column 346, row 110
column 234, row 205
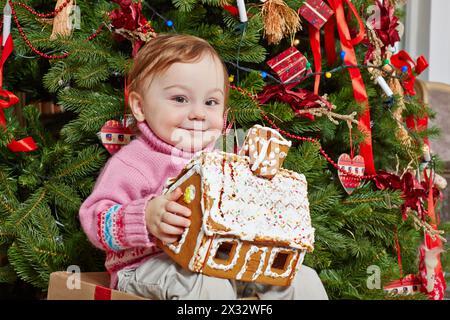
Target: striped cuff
column 110, row 228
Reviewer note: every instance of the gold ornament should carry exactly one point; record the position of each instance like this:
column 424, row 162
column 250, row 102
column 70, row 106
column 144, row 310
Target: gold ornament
column 279, row 20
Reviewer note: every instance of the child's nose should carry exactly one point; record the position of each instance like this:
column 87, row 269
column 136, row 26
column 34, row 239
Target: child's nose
column 197, row 112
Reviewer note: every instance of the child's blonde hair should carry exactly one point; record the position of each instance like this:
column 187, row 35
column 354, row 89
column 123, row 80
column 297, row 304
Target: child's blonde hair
column 161, row 52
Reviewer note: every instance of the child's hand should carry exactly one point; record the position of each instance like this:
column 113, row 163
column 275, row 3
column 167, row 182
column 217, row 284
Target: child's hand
column 165, row 218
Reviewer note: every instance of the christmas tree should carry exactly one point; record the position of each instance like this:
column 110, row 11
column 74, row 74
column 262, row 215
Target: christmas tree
column 358, row 99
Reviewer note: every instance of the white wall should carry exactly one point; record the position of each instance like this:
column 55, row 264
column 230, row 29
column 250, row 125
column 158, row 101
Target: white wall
column 427, row 32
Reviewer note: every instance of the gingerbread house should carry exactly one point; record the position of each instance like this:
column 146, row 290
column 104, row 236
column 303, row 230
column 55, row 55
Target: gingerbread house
column 250, row 218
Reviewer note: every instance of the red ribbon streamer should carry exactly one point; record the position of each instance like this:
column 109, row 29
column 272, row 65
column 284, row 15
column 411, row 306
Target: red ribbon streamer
column 399, row 255
column 24, row 145
column 330, row 45
column 314, row 39
column 359, row 90
column 347, row 44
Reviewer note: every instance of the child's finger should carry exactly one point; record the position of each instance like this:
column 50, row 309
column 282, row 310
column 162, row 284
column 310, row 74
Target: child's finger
column 169, row 229
column 168, row 238
column 174, row 195
column 175, row 220
column 177, row 208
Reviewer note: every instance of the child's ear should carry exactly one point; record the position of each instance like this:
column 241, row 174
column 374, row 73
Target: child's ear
column 136, row 105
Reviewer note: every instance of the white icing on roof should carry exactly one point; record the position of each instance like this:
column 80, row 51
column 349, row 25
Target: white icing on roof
column 252, row 207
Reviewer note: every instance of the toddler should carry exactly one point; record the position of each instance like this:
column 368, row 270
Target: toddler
column 178, row 91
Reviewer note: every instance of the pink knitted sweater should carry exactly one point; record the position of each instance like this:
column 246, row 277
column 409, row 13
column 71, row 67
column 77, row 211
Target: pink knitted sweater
column 113, row 216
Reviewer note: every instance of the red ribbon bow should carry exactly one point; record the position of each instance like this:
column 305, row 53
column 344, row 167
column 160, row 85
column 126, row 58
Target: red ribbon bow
column 298, row 100
column 415, row 68
column 129, row 17
column 414, row 192
column 26, row 144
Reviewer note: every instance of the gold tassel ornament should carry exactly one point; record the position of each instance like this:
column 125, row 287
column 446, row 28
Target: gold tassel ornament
column 279, row 21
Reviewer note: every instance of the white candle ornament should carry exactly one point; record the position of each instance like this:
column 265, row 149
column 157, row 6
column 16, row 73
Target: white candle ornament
column 242, row 11
column 383, row 84
column 6, row 22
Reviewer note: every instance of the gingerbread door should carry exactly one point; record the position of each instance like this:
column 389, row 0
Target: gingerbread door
column 253, row 264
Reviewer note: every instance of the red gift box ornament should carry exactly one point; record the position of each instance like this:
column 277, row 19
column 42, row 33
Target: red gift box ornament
column 316, row 12
column 290, row 65
column 354, row 166
column 114, row 136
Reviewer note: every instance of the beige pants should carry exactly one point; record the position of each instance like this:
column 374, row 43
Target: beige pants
column 159, row 278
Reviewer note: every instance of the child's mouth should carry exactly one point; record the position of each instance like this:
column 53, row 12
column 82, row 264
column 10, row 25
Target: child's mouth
column 194, row 130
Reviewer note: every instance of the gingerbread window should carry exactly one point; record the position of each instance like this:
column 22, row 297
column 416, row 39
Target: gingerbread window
column 281, row 260
column 225, row 251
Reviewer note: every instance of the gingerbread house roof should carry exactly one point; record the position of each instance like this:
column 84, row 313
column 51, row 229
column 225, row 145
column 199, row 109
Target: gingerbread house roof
column 236, row 202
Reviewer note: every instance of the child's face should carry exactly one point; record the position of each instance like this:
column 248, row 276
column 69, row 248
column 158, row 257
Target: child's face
column 184, row 105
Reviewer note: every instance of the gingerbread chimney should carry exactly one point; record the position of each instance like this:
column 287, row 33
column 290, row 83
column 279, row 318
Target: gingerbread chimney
column 266, row 149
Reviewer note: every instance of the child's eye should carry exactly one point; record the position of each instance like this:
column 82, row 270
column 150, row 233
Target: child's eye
column 212, row 102
column 179, row 99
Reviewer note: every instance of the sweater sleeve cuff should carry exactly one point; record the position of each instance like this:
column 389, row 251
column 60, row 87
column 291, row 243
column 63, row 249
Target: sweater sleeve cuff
column 135, row 233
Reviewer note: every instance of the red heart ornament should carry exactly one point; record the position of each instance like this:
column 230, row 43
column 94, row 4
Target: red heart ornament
column 114, row 135
column 355, row 166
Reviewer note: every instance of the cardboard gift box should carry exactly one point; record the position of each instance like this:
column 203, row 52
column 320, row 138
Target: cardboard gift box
column 84, row 286
column 92, row 286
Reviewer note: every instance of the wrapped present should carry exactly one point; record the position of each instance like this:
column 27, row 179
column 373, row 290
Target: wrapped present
column 84, row 286
column 266, row 149
column 317, row 12
column 290, row 65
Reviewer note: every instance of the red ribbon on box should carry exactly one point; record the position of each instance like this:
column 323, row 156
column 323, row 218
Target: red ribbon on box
column 24, row 145
column 102, row 293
